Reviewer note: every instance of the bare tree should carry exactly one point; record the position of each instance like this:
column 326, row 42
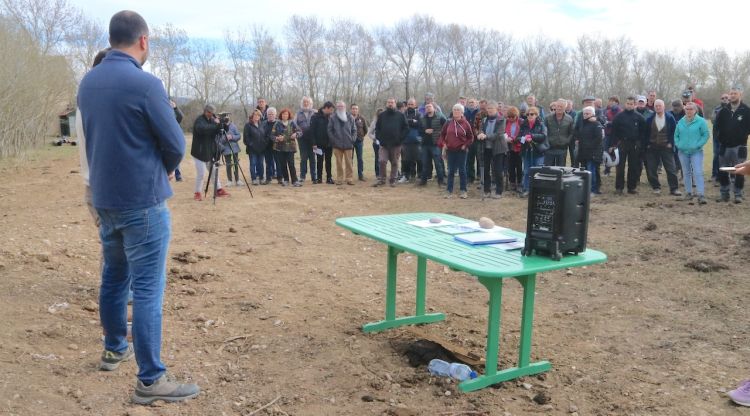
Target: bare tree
column 83, row 44
column 47, row 22
column 400, row 47
column 306, row 41
column 168, row 47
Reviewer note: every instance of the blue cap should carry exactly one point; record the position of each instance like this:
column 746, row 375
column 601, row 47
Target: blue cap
column 473, row 374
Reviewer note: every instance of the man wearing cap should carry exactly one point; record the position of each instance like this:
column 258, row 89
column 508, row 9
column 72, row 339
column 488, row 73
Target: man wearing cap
column 429, row 98
column 732, row 129
column 587, row 101
column 641, row 108
column 204, row 149
column 687, row 97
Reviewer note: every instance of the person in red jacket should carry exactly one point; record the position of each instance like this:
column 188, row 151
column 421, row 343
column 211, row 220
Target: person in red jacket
column 455, row 138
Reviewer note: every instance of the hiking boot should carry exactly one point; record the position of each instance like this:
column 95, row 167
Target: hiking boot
column 362, row 178
column 675, row 193
column 618, row 191
column 330, row 181
column 111, row 360
column 463, row 195
column 422, row 183
column 197, row 196
column 378, row 183
column 738, row 199
column 701, row 200
column 448, row 195
column 687, row 197
column 657, row 191
column 222, row 192
column 632, row 191
column 164, row 389
column 723, row 198
column 741, row 395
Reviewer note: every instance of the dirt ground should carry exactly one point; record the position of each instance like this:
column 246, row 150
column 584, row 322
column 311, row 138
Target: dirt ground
column 266, row 297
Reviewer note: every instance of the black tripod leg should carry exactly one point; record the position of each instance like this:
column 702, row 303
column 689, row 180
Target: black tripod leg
column 215, row 168
column 244, row 178
column 208, row 181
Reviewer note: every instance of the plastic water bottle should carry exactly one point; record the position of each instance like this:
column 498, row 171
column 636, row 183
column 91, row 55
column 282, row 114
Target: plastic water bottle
column 457, row 371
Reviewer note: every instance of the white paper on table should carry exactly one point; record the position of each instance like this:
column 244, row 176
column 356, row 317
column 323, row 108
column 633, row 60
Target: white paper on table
column 476, row 226
column 427, row 223
column 515, row 245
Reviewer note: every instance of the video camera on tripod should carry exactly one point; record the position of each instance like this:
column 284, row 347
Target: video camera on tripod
column 221, row 140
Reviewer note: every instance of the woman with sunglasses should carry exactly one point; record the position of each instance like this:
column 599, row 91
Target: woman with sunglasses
column 534, row 139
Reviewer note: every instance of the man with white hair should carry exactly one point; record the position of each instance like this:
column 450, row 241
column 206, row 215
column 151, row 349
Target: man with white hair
column 342, row 133
column 659, row 145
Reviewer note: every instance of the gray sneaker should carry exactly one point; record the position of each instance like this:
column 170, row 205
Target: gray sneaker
column 111, row 360
column 165, row 389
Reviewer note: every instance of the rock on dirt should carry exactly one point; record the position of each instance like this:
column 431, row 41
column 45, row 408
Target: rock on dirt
column 650, row 226
column 542, row 398
column 706, row 266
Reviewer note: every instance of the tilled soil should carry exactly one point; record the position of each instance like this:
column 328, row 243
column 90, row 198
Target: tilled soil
column 266, row 297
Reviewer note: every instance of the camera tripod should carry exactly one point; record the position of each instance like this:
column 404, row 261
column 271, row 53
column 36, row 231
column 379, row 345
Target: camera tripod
column 213, row 173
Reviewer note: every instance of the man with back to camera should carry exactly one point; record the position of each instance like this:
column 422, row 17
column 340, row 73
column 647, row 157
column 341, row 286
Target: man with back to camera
column 133, row 146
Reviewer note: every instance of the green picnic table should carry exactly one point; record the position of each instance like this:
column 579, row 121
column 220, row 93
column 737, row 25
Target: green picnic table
column 490, row 265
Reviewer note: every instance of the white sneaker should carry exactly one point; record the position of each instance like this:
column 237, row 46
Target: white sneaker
column 239, row 183
column 403, row 180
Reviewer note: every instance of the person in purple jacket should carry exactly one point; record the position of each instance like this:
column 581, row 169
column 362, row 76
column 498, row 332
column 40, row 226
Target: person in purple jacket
column 133, row 146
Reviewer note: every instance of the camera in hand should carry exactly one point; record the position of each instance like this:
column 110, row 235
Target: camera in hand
column 223, row 119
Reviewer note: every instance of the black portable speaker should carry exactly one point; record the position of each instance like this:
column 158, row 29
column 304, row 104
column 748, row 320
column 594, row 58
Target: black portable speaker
column 558, row 217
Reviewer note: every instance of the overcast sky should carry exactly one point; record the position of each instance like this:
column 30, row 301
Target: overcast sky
column 651, row 24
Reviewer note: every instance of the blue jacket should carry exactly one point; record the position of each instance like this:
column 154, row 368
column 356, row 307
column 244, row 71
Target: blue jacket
column 132, row 137
column 691, row 137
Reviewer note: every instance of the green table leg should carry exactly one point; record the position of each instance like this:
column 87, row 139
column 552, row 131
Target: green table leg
column 390, row 298
column 421, row 284
column 525, row 368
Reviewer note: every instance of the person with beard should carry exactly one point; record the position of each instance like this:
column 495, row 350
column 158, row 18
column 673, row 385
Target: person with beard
column 391, row 130
column 411, row 166
column 272, row 168
column 205, row 149
column 321, row 143
column 732, row 129
column 305, row 141
column 628, row 131
column 431, row 125
column 342, row 133
column 133, row 146
column 493, row 148
column 362, row 128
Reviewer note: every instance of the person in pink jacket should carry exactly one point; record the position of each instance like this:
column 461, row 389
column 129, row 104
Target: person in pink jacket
column 455, row 138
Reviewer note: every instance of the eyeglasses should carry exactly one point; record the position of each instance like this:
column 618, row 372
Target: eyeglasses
column 724, row 98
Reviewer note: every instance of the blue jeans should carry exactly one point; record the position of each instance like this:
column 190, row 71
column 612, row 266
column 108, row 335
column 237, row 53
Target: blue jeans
column 456, row 161
column 530, row 161
column 256, row 166
column 593, row 167
column 432, row 154
column 270, row 164
column 360, row 162
column 692, row 164
column 134, row 254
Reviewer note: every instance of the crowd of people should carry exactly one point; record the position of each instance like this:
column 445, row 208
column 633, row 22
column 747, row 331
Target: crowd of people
column 488, row 142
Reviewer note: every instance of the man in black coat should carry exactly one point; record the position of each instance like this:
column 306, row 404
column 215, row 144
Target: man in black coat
column 205, row 150
column 628, row 132
column 732, row 129
column 391, row 129
column 321, row 144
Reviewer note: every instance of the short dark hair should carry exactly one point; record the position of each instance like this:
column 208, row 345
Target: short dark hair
column 100, row 56
column 125, row 28
column 353, row 104
column 630, row 98
column 328, row 104
column 615, row 99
